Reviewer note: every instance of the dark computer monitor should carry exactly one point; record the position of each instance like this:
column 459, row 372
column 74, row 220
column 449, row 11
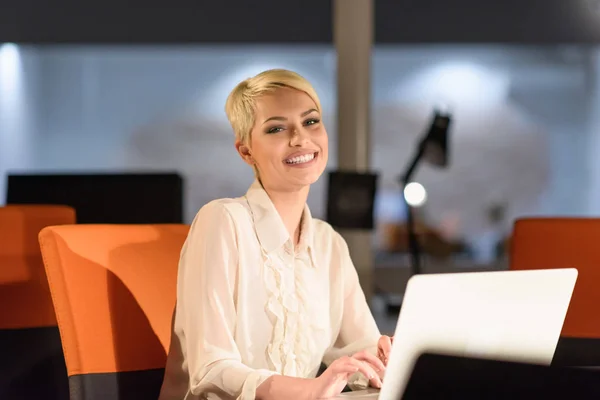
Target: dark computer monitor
column 351, row 199
column 120, row 198
column 436, row 376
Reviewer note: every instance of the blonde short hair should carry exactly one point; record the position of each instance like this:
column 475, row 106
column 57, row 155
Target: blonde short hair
column 241, row 103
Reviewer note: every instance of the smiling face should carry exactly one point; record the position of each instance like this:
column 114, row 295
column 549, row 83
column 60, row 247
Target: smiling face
column 288, row 143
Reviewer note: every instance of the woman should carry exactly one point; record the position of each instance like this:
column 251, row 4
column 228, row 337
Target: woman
column 265, row 292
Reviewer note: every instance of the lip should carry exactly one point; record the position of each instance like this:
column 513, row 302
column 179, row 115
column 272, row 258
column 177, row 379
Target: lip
column 302, row 165
column 301, row 153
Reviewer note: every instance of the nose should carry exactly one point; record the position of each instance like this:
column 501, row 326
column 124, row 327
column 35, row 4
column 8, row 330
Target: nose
column 300, row 137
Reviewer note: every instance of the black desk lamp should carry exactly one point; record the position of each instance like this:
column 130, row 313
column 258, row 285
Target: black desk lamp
column 434, row 149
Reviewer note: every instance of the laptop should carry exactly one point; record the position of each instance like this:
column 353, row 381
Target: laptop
column 437, row 376
column 505, row 315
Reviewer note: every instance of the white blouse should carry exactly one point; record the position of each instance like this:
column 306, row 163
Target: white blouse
column 249, row 305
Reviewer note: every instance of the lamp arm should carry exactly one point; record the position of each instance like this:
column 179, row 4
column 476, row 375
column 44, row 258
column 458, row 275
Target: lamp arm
column 413, row 242
column 412, row 166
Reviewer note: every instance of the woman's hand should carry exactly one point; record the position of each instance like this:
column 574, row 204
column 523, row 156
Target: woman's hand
column 384, row 348
column 335, row 378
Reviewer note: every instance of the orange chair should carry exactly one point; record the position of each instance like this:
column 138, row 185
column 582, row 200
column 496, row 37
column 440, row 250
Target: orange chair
column 542, row 243
column 31, row 360
column 114, row 291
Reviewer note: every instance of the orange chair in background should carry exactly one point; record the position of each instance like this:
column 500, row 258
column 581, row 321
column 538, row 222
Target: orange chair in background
column 114, row 292
column 32, row 365
column 544, row 243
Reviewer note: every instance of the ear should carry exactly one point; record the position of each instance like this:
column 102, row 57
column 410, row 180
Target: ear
column 244, row 152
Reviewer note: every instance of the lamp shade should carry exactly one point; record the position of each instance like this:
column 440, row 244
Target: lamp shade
column 435, row 144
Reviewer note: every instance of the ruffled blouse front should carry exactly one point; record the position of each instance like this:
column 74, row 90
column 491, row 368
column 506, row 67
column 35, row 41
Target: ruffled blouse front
column 293, row 343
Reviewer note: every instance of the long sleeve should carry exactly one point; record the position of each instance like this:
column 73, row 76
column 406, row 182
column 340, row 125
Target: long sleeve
column 358, row 329
column 206, row 312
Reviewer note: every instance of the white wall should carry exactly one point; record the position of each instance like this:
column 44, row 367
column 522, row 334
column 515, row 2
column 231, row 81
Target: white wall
column 592, row 154
column 519, row 134
column 19, row 82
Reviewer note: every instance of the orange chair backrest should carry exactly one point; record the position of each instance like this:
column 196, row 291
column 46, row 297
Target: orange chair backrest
column 24, row 293
column 544, row 243
column 114, row 291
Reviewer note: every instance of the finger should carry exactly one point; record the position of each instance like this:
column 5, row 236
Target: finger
column 367, row 370
column 343, row 368
column 381, row 355
column 385, row 344
column 369, row 358
column 352, row 365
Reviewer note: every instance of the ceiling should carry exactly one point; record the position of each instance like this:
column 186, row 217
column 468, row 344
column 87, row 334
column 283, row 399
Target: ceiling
column 297, row 21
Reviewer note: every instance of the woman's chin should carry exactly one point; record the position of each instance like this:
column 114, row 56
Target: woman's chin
column 307, row 178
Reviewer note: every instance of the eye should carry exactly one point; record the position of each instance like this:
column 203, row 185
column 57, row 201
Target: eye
column 275, row 129
column 312, row 121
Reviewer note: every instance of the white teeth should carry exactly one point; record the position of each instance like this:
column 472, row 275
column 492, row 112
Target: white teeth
column 301, row 159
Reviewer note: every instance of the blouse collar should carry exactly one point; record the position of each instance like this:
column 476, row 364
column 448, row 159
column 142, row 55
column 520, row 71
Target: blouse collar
column 269, row 226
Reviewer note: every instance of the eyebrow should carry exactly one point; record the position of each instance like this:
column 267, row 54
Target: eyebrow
column 304, row 114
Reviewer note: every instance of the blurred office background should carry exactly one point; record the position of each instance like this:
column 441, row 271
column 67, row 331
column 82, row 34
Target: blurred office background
column 523, row 89
column 526, row 122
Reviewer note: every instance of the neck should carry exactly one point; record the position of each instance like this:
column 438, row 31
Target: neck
column 290, row 206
